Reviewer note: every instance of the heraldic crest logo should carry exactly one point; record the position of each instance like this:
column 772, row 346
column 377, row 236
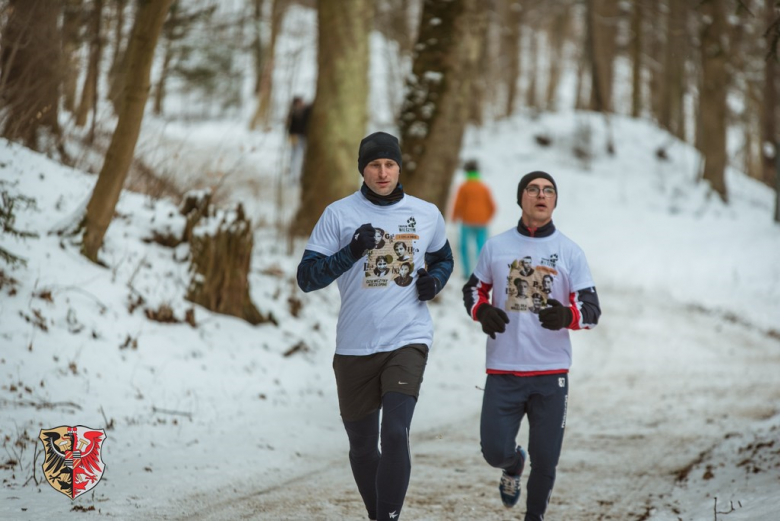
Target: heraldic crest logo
column 73, row 463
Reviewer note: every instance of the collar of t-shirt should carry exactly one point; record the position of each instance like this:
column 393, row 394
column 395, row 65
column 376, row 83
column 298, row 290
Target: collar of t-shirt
column 383, row 200
column 542, row 231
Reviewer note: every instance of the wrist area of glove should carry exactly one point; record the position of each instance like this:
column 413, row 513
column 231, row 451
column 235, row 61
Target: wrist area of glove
column 348, row 254
column 571, row 323
column 354, row 256
column 436, row 285
column 482, row 308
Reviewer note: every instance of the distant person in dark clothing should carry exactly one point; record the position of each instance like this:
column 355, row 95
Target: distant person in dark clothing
column 297, row 123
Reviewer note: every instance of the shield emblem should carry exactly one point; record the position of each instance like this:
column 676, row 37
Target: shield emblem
column 73, row 462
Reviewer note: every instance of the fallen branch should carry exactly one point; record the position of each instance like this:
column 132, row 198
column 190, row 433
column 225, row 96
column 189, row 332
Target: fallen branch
column 56, row 288
column 42, row 405
column 34, row 465
column 172, row 412
column 109, row 424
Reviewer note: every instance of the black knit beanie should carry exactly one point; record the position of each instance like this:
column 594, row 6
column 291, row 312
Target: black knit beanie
column 527, row 178
column 379, row 145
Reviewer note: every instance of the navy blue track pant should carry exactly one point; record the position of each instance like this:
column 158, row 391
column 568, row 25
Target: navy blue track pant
column 543, row 399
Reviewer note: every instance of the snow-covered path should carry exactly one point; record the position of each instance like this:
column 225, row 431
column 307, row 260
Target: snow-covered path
column 641, row 414
column 221, row 421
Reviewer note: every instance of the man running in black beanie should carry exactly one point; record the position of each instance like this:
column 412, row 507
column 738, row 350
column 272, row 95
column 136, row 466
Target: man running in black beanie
column 380, row 356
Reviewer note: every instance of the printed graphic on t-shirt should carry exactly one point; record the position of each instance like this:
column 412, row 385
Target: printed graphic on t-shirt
column 391, row 261
column 528, row 285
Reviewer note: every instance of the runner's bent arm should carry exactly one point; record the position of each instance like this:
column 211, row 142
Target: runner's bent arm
column 440, row 264
column 316, row 270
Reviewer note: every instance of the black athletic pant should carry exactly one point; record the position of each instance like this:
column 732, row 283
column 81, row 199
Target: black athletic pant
column 507, row 399
column 382, row 478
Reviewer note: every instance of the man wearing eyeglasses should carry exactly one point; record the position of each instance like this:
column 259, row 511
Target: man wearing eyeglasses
column 529, row 352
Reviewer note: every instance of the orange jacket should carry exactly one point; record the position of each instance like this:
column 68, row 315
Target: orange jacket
column 473, row 204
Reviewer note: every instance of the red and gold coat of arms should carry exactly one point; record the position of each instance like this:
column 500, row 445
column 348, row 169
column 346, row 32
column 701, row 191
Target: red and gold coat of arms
column 73, row 463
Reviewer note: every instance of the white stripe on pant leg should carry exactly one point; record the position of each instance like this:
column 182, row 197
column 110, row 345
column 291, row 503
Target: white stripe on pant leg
column 408, row 447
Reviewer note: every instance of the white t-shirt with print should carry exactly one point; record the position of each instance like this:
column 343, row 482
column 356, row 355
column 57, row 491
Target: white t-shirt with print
column 380, row 310
column 525, row 272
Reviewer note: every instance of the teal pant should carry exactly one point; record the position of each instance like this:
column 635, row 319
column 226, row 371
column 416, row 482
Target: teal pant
column 472, row 239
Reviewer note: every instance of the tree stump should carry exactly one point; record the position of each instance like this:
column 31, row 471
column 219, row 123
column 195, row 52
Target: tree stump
column 221, row 251
column 196, row 204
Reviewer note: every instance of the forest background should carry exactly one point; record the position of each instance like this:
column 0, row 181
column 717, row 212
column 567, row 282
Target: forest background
column 699, row 69
column 114, row 87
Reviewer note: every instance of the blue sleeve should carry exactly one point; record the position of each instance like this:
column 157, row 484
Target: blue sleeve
column 316, row 270
column 440, row 264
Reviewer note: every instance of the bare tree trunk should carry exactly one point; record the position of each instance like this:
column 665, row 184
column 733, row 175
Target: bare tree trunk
column 769, row 112
column 777, row 180
column 265, row 93
column 71, row 41
column 339, row 113
column 511, row 47
column 656, row 47
column 480, row 80
column 257, row 41
column 392, row 19
column 168, row 29
column 751, row 128
column 89, row 91
column 636, row 58
column 531, row 95
column 673, row 85
column 115, row 72
column 402, row 28
column 682, row 57
column 742, row 49
column 140, row 53
column 159, row 88
column 559, row 29
column 583, row 64
column 31, row 72
column 435, row 109
column 603, row 29
column 713, row 94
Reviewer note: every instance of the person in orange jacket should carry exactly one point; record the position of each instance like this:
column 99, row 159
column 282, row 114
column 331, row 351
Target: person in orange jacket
column 474, row 208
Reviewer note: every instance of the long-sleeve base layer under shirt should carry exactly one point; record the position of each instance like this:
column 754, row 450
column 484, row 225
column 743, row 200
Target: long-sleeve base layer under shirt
column 380, row 309
column 519, row 274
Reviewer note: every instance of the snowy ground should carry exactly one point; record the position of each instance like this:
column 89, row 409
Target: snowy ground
column 673, row 397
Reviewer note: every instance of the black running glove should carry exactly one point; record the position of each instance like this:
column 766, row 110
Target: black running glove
column 556, row 317
column 426, row 285
column 493, row 319
column 362, row 240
